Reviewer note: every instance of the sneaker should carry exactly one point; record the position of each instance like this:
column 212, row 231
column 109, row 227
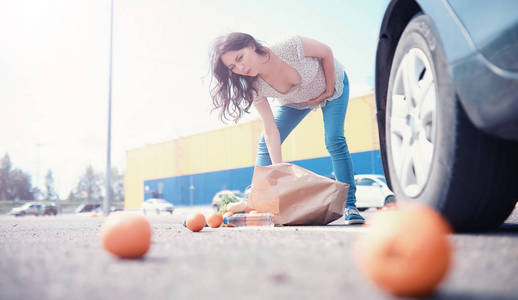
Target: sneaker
column 352, row 216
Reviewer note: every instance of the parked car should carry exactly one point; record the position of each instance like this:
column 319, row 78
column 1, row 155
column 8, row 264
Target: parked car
column 246, row 192
column 100, row 209
column 216, row 200
column 116, row 208
column 29, row 208
column 372, row 191
column 446, row 82
column 157, row 205
column 87, row 207
column 50, row 209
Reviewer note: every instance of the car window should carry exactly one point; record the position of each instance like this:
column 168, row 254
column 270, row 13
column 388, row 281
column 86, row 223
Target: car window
column 365, row 181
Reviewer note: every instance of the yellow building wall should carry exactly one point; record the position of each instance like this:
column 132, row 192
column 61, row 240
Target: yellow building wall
column 151, row 161
column 361, row 131
column 236, row 147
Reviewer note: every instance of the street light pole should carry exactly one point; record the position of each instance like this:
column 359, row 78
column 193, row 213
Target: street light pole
column 107, row 199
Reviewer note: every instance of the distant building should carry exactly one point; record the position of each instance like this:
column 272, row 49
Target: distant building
column 190, row 170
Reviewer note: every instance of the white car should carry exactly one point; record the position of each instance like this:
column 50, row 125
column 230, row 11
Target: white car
column 372, row 191
column 157, row 205
column 30, row 208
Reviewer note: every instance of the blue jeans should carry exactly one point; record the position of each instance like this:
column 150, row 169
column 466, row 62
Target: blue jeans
column 288, row 118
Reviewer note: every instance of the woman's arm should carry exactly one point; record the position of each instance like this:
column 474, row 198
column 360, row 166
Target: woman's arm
column 320, row 50
column 271, row 132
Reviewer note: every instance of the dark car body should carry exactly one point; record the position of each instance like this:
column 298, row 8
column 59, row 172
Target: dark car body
column 470, row 153
column 49, row 209
column 480, row 41
column 87, row 207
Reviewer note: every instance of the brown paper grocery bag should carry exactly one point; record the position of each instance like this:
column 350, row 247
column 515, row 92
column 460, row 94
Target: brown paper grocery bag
column 296, row 196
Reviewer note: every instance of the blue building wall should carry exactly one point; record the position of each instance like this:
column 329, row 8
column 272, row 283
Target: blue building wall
column 198, row 189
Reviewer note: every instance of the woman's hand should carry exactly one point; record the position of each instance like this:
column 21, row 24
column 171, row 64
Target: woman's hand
column 238, row 207
column 322, row 51
column 320, row 98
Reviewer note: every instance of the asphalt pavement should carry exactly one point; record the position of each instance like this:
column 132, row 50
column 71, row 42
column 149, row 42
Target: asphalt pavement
column 62, row 258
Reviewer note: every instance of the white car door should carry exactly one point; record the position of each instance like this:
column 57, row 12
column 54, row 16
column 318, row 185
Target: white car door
column 147, row 205
column 368, row 193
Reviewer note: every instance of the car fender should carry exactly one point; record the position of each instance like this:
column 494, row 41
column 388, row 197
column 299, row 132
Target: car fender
column 491, row 105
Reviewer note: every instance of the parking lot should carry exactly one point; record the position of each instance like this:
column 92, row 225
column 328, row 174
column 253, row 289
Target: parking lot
column 61, row 258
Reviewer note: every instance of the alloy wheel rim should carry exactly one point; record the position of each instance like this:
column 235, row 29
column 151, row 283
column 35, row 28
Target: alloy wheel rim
column 412, row 119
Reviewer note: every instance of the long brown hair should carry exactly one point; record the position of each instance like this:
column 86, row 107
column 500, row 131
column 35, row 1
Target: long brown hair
column 232, row 93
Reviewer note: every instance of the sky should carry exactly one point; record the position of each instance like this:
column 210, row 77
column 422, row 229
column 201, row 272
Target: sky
column 54, row 71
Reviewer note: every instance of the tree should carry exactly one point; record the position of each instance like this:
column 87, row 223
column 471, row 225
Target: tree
column 72, row 196
column 19, row 186
column 14, row 184
column 92, row 186
column 117, row 185
column 50, row 190
column 5, row 169
column 89, row 186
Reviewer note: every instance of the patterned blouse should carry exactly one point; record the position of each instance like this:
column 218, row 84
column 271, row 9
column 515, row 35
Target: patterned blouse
column 310, row 69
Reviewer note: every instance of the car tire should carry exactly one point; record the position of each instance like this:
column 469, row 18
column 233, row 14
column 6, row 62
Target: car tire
column 471, row 176
column 362, row 208
column 389, row 200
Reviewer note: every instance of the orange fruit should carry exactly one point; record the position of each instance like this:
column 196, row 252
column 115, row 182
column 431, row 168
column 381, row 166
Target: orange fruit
column 407, row 251
column 195, row 222
column 126, row 235
column 215, row 220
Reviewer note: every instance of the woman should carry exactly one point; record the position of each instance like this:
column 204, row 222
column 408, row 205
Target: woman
column 302, row 74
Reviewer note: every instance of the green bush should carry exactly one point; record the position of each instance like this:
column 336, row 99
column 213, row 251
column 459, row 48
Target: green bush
column 227, row 199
